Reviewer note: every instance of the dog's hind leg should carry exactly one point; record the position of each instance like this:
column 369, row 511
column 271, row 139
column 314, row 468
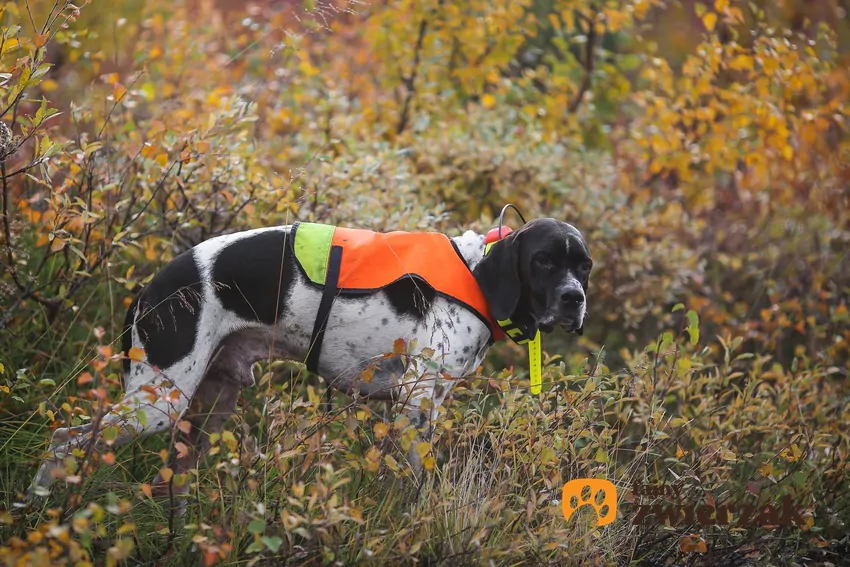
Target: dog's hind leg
column 214, row 403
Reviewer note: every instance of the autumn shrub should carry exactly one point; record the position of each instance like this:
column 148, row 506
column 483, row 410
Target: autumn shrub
column 710, row 180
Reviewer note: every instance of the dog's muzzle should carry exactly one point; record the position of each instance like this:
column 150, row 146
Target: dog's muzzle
column 568, row 311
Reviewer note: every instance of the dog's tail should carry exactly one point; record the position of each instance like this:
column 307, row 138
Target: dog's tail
column 127, row 334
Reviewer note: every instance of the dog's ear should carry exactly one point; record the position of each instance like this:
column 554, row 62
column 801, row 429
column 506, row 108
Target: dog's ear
column 498, row 276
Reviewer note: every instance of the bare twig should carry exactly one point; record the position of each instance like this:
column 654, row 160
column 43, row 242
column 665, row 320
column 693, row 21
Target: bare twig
column 410, row 80
column 589, row 59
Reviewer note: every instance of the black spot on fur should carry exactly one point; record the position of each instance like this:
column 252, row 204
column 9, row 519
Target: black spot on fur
column 468, row 329
column 385, row 321
column 248, row 276
column 466, row 349
column 421, row 420
column 169, row 310
column 394, row 365
column 410, row 297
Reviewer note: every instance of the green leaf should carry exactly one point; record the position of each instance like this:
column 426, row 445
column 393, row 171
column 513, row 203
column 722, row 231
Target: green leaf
column 678, row 307
column 272, row 542
column 11, row 31
column 257, row 526
column 693, row 326
column 46, row 382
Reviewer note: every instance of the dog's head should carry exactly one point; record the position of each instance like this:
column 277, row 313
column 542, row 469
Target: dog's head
column 537, row 276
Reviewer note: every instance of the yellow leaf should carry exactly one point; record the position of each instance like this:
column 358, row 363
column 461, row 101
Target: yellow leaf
column 422, row 448
column 741, row 63
column 429, row 463
column 488, row 101
column 166, row 473
column 162, row 160
column 547, row 455
column 709, row 21
column 381, row 430
column 229, row 439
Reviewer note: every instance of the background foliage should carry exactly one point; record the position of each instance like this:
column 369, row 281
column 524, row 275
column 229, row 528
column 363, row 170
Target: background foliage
column 701, row 146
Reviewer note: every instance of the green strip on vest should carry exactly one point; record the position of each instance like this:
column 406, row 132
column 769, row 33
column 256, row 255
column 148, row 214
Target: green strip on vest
column 313, row 249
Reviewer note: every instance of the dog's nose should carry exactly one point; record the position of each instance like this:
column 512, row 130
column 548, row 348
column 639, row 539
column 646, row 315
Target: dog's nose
column 572, row 297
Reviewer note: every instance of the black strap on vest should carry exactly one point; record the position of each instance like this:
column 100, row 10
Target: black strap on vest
column 328, row 294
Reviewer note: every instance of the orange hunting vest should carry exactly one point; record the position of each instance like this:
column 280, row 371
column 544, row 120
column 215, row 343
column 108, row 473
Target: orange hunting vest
column 347, row 260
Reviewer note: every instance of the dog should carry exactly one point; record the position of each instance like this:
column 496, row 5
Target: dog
column 233, row 300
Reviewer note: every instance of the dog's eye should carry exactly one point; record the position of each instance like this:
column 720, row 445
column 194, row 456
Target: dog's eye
column 543, row 263
column 585, row 267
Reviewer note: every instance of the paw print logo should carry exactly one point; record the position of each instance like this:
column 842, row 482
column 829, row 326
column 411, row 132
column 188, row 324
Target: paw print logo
column 601, row 494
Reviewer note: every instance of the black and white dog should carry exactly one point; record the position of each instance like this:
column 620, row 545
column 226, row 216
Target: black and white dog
column 233, row 300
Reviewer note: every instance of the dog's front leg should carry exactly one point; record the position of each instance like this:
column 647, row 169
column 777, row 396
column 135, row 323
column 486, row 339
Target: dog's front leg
column 421, row 398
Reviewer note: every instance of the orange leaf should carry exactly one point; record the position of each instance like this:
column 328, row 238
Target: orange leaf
column 105, row 351
column 182, row 449
column 693, row 542
column 136, row 354
column 57, row 245
column 84, row 379
column 399, row 346
column 118, row 91
column 40, row 39
column 146, row 488
column 108, row 458
column 184, row 426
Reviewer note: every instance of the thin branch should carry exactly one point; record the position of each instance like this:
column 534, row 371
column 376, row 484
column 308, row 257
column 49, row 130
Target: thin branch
column 589, row 60
column 410, row 80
